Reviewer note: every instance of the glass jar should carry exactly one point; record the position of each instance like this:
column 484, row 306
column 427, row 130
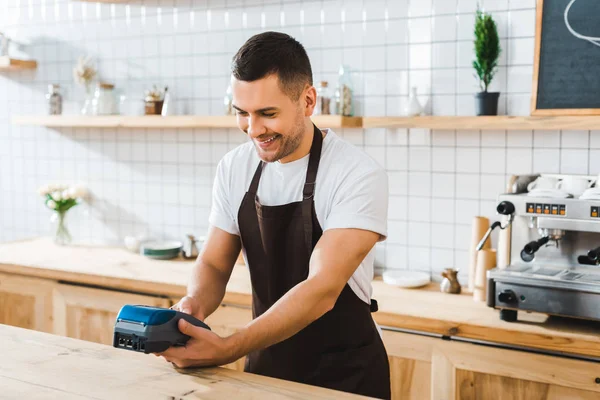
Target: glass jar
column 104, row 99
column 344, row 100
column 54, row 100
column 323, row 106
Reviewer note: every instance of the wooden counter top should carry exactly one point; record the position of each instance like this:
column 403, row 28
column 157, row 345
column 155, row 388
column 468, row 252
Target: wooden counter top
column 426, row 310
column 40, row 365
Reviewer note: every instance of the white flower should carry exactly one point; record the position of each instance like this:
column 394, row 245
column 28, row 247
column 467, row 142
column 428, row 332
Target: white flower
column 57, row 195
column 51, row 204
column 43, row 190
column 66, row 194
column 77, row 192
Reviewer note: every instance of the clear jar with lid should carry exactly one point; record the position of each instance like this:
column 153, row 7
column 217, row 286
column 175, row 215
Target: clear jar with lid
column 323, row 105
column 103, row 102
column 344, row 101
column 54, row 99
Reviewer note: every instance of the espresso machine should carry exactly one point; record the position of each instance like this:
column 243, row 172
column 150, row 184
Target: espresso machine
column 551, row 246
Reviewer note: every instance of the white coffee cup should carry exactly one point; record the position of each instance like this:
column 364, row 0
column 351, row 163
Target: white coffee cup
column 544, row 183
column 574, row 185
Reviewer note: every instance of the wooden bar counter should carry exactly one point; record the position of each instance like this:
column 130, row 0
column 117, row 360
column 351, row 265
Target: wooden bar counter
column 40, row 365
column 76, row 291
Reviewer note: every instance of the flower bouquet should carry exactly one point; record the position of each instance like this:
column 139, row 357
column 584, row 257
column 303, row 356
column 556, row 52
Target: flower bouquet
column 60, row 199
column 84, row 73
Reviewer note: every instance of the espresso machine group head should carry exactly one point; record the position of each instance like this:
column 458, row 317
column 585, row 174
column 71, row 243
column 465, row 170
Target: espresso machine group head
column 554, row 257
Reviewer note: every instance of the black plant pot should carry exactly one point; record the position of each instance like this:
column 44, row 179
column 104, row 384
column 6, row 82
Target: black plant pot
column 487, row 103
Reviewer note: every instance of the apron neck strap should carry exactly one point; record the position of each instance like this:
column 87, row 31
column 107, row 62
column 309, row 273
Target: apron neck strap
column 313, row 164
column 311, row 172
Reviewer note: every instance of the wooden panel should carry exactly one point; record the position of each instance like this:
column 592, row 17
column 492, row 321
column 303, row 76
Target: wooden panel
column 26, row 302
column 474, row 385
column 17, row 310
column 410, row 379
column 41, row 364
column 7, row 63
column 90, row 314
column 157, row 121
column 443, row 377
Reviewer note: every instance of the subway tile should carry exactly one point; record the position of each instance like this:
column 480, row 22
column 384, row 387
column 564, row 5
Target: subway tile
column 573, row 161
column 546, row 139
column 444, row 6
column 419, row 233
column 396, row 256
column 443, row 159
column 442, row 235
column 467, row 186
column 419, row 209
column 444, row 28
column 493, row 160
column 575, row 139
column 419, row 158
column 519, row 161
column 546, row 161
column 442, row 210
column 444, row 55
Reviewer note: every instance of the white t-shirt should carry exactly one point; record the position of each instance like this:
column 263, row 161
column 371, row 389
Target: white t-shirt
column 351, row 192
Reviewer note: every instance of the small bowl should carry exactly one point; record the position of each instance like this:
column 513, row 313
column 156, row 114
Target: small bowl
column 161, row 250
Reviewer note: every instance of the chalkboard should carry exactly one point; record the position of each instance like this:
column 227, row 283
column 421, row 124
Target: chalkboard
column 566, row 76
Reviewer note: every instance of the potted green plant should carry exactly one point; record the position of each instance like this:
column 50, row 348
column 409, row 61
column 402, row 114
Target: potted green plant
column 487, row 51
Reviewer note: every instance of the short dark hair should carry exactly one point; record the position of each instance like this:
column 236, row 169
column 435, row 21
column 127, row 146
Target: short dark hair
column 274, row 53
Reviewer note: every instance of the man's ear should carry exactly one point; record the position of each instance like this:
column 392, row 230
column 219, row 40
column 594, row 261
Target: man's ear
column 309, row 95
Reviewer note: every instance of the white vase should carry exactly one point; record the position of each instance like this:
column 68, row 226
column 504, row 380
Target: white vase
column 413, row 107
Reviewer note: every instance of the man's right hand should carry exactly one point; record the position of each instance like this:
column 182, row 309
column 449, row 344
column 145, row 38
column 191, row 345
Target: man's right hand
column 189, row 305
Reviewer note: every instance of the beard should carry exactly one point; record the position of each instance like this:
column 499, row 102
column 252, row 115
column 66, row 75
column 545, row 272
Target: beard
column 285, row 144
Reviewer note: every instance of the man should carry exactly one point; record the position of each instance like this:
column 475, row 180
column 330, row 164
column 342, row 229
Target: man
column 307, row 208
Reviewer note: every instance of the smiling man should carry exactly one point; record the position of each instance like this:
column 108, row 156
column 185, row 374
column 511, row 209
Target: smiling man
column 307, row 208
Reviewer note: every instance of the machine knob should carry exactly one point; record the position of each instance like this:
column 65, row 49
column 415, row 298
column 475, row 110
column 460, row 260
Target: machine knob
column 594, row 254
column 507, row 296
column 505, row 208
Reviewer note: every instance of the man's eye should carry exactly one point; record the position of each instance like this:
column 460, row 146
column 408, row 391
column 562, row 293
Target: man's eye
column 269, row 115
column 242, row 113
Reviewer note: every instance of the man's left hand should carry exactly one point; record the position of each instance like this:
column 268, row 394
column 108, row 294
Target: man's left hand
column 204, row 348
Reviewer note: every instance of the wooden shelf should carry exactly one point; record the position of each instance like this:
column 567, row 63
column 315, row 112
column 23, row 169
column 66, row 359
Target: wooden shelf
column 323, row 121
column 501, row 122
column 157, row 121
column 7, row 63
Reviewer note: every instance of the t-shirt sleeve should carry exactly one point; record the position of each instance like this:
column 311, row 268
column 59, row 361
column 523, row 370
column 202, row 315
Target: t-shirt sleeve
column 221, row 213
column 361, row 203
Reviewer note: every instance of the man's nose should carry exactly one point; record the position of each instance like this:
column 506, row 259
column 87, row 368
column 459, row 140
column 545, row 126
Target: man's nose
column 255, row 127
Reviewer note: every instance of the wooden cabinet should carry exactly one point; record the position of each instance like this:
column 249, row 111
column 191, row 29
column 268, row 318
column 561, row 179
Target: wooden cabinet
column 26, row 302
column 89, row 313
column 427, row 367
column 410, row 365
column 422, row 367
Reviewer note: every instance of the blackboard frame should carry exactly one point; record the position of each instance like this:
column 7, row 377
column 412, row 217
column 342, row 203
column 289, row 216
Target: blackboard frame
column 536, row 65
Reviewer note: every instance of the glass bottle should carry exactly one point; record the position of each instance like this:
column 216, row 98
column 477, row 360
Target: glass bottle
column 345, row 104
column 323, row 106
column 54, row 99
column 228, row 102
column 104, row 100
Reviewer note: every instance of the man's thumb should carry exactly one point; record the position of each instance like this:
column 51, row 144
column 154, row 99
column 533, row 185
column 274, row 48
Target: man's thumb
column 185, row 327
column 186, row 305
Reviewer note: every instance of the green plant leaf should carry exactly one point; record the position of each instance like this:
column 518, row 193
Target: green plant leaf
column 487, row 48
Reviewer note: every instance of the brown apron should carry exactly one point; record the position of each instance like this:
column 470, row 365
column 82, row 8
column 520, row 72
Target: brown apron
column 341, row 350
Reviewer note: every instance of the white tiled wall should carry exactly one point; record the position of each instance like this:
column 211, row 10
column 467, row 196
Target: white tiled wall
column 159, row 181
